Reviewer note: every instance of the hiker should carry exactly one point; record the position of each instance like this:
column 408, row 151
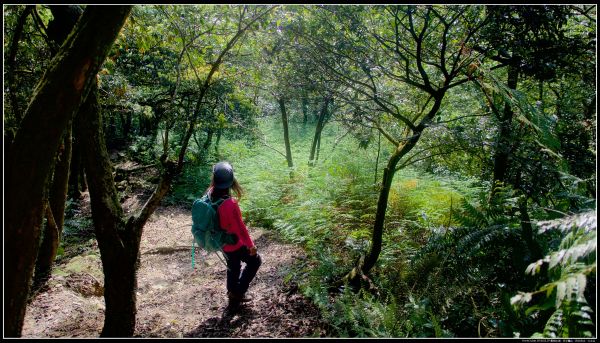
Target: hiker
column 230, row 219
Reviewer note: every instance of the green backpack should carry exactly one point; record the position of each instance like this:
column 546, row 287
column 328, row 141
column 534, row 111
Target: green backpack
column 206, row 231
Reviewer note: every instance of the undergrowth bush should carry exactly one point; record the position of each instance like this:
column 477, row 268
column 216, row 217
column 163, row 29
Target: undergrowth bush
column 451, row 258
column 329, row 209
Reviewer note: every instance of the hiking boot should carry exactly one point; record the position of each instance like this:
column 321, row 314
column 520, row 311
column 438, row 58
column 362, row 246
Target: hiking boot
column 238, row 298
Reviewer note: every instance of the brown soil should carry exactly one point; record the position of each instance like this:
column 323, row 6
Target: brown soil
column 174, row 300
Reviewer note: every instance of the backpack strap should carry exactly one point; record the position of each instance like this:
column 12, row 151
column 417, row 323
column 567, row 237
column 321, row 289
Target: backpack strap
column 219, row 201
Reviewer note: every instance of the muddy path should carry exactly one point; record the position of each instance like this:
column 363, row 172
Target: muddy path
column 174, row 300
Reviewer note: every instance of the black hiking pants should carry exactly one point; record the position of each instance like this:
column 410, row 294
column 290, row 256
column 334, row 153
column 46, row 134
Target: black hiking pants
column 237, row 283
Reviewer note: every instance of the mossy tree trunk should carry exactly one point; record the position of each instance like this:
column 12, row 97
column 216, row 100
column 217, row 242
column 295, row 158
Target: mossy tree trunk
column 65, row 18
column 30, row 160
column 118, row 243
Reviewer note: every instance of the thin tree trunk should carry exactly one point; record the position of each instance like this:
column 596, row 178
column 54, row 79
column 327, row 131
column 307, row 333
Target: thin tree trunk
column 304, row 109
column 528, row 232
column 318, row 146
column 42, row 267
column 357, row 273
column 286, row 135
column 55, row 100
column 209, row 135
column 83, row 178
column 377, row 159
column 56, row 208
column 217, row 141
column 166, row 141
column 74, row 175
column 318, row 130
column 503, row 150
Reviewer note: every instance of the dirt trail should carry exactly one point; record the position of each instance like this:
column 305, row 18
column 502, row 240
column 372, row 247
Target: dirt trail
column 173, row 300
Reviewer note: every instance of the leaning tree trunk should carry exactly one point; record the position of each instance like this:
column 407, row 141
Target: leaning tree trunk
column 55, row 100
column 364, row 266
column 318, row 147
column 359, row 272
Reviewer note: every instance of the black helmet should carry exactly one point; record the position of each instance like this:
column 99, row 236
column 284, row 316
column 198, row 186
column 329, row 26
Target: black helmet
column 222, row 175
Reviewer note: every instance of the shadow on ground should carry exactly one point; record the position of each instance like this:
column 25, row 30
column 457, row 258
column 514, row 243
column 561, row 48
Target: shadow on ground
column 231, row 322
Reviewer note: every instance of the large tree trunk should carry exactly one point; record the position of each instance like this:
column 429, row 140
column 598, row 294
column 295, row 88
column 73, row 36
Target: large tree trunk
column 117, row 242
column 286, row 135
column 65, row 18
column 57, row 198
column 503, row 149
column 55, row 100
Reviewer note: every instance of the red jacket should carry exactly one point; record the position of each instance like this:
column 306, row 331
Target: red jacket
column 230, row 218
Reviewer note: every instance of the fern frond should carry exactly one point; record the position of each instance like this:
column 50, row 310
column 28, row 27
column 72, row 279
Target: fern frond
column 573, row 248
column 478, row 239
column 586, row 221
column 569, row 267
column 472, row 216
column 554, row 325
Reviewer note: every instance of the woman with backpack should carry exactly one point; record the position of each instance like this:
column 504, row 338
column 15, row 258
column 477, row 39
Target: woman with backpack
column 230, row 219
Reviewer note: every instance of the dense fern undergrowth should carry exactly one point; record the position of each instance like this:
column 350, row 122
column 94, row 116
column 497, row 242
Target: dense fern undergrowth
column 452, row 265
